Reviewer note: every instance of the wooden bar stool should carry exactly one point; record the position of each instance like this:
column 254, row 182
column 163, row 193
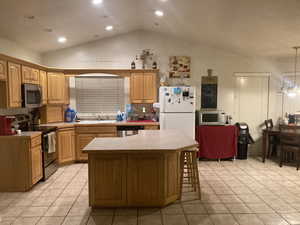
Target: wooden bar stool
column 189, row 174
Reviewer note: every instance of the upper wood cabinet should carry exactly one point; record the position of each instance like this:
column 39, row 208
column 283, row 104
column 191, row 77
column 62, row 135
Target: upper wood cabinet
column 143, row 88
column 66, row 145
column 67, row 91
column 14, row 85
column 44, row 86
column 3, row 70
column 30, row 75
column 56, row 88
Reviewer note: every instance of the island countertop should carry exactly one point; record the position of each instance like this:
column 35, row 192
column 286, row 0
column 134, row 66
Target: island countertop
column 149, row 140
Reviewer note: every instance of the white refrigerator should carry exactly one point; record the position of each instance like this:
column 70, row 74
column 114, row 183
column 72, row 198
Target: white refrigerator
column 177, row 109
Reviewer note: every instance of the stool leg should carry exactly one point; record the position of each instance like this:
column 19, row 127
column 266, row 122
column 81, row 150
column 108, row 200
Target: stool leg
column 182, row 156
column 197, row 174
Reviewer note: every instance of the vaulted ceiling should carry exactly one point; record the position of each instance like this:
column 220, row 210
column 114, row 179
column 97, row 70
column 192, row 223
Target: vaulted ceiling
column 252, row 27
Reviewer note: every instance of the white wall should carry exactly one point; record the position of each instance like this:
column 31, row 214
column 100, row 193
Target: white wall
column 13, row 49
column 119, row 51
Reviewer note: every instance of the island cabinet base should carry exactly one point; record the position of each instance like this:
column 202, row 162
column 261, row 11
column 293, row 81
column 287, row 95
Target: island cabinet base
column 133, row 179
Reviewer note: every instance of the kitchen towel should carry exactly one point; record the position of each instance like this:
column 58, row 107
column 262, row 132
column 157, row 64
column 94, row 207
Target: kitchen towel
column 51, row 142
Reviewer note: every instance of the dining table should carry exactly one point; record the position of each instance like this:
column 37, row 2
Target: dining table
column 275, row 131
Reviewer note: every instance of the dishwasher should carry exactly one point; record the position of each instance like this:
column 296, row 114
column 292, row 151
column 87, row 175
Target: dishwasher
column 124, row 131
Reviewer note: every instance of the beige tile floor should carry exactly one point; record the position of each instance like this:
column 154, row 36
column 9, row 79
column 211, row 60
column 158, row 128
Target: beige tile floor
column 241, row 192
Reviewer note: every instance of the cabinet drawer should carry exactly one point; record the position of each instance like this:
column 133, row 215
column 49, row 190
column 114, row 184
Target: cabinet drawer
column 107, row 135
column 151, row 127
column 97, row 130
column 36, row 141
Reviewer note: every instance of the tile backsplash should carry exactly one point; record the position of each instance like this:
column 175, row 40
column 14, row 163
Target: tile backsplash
column 13, row 111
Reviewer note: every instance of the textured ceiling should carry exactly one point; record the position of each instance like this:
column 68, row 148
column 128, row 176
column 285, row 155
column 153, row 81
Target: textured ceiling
column 252, row 27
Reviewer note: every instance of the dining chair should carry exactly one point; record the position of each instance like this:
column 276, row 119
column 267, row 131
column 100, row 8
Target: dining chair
column 273, row 139
column 289, row 143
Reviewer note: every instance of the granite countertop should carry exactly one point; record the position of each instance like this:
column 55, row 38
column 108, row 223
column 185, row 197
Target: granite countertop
column 146, row 140
column 100, row 122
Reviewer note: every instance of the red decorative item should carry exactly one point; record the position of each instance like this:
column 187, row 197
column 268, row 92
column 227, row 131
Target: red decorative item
column 217, row 142
column 5, row 125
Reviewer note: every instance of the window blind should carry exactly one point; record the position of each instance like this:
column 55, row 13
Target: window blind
column 99, row 95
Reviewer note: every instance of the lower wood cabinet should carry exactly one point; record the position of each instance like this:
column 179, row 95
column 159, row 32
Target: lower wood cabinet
column 133, row 179
column 145, row 181
column 112, row 173
column 36, row 164
column 85, row 134
column 66, row 145
column 20, row 162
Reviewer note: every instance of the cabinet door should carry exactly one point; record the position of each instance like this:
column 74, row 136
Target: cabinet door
column 67, row 91
column 26, row 75
column 43, row 83
column 66, row 145
column 36, row 164
column 14, row 85
column 108, row 171
column 137, row 87
column 3, row 70
column 145, row 183
column 82, row 141
column 35, row 76
column 150, row 92
column 56, row 88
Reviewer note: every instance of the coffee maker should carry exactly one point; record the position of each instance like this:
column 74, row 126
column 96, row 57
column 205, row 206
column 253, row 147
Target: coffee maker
column 6, row 125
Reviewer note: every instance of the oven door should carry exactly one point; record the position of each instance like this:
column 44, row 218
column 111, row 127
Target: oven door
column 31, row 95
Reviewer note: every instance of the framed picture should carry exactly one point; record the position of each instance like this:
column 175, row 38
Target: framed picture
column 180, row 67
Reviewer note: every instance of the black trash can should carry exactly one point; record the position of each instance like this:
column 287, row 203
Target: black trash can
column 244, row 139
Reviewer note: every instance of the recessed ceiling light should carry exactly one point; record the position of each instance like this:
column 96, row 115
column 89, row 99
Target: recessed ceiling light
column 97, row 2
column 159, row 13
column 109, row 28
column 62, row 39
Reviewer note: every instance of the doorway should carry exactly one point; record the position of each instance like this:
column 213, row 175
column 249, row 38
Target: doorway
column 252, row 100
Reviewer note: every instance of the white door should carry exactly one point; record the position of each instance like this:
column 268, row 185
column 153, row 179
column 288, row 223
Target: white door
column 184, row 122
column 251, row 105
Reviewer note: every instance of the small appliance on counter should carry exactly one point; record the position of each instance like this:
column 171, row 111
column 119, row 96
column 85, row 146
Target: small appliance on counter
column 211, row 117
column 6, row 125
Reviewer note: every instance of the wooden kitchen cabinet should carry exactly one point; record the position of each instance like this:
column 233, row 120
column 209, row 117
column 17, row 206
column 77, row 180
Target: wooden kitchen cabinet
column 81, row 141
column 137, row 88
column 66, row 145
column 36, row 164
column 85, row 134
column 52, row 113
column 3, row 70
column 44, row 87
column 56, row 88
column 67, row 91
column 111, row 176
column 30, row 75
column 36, row 160
column 143, row 88
column 20, row 162
column 10, row 90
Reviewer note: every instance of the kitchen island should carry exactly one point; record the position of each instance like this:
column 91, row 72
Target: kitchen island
column 136, row 171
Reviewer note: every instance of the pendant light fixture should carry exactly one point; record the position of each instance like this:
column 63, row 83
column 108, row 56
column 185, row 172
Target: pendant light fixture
column 293, row 90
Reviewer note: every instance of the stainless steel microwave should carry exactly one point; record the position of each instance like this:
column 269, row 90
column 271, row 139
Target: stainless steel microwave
column 216, row 117
column 31, row 95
